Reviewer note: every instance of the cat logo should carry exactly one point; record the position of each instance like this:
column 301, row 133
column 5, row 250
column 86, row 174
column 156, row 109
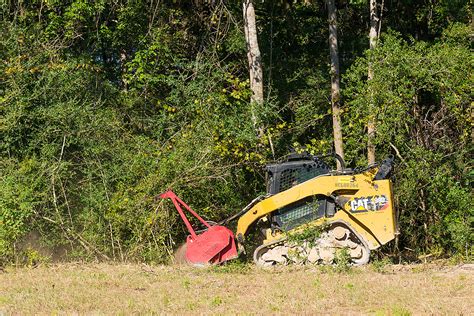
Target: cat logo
column 369, row 203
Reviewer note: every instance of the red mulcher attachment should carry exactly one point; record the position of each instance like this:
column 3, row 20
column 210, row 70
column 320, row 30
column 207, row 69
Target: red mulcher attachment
column 215, row 245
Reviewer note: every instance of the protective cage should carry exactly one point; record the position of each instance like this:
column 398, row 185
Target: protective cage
column 297, row 169
column 303, row 211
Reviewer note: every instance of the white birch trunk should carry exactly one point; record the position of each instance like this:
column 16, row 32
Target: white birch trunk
column 335, row 86
column 254, row 58
column 373, row 36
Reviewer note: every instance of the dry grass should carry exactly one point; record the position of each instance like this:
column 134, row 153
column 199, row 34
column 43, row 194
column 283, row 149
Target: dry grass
column 235, row 289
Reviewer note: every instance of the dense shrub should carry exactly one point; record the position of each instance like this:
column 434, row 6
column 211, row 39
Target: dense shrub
column 105, row 104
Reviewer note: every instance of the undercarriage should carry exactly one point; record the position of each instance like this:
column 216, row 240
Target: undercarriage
column 322, row 249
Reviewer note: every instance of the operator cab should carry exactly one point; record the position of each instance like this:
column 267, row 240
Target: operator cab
column 294, row 170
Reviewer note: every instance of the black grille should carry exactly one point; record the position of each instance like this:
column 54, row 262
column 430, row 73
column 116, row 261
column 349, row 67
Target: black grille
column 291, row 177
column 301, row 212
column 285, row 175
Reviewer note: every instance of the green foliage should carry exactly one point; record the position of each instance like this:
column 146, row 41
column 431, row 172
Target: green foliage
column 18, row 199
column 342, row 260
column 234, row 267
column 380, row 265
column 83, row 156
column 105, row 104
column 216, row 301
column 308, row 233
column 34, row 258
column 400, row 311
column 420, row 99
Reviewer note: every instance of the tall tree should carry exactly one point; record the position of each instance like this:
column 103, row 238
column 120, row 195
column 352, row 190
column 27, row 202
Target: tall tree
column 375, row 20
column 335, row 85
column 254, row 58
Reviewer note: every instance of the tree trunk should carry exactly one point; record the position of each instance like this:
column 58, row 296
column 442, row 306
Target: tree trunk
column 373, row 36
column 254, row 59
column 335, row 87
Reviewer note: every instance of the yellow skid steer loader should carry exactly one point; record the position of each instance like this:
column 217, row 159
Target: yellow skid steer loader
column 308, row 214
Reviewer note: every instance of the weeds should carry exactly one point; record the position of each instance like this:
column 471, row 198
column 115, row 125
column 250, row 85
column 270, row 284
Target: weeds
column 33, row 258
column 308, row 234
column 342, row 260
column 216, row 301
column 401, row 311
column 380, row 265
column 237, row 266
column 186, row 283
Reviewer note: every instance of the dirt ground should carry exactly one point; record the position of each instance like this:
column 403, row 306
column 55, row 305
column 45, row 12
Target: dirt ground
column 237, row 289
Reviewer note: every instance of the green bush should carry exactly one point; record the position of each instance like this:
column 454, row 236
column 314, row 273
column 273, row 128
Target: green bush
column 104, row 105
column 421, row 104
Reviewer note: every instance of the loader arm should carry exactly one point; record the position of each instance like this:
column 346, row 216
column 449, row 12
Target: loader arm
column 364, row 203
